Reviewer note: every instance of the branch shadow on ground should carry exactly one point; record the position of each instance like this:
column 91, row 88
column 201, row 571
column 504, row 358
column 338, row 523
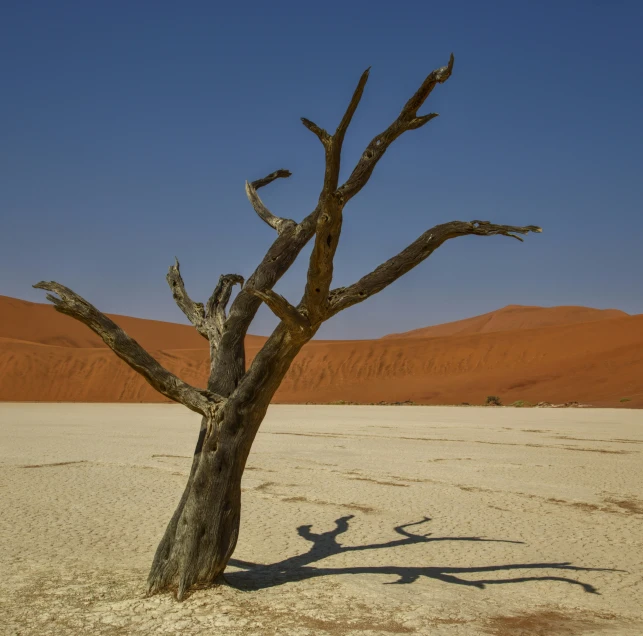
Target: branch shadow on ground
column 254, row 576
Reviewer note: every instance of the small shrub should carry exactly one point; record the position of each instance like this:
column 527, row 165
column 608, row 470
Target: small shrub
column 519, row 403
column 625, row 400
column 493, row 400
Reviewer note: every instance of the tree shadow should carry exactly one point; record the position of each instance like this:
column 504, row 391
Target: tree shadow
column 255, row 576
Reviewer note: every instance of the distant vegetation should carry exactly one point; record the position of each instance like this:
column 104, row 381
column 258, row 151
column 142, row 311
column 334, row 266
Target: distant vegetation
column 625, row 400
column 520, row 403
column 493, row 400
column 382, row 403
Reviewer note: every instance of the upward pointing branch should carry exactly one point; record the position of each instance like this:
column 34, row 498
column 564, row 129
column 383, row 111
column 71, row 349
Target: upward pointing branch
column 320, row 133
column 329, row 224
column 194, row 312
column 333, row 143
column 215, row 311
column 340, row 133
column 408, row 119
column 209, row 320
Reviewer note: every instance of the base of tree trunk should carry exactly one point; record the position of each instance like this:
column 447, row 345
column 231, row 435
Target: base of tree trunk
column 202, row 534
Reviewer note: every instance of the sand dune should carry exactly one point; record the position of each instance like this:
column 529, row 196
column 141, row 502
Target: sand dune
column 591, row 356
column 42, row 324
column 598, row 362
column 514, row 317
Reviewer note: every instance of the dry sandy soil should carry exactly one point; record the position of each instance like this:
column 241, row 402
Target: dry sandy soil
column 356, row 520
column 536, row 354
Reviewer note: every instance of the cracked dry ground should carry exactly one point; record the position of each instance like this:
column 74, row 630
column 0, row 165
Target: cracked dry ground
column 356, row 520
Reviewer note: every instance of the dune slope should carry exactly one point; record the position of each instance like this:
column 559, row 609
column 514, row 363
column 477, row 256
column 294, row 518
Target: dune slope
column 514, row 317
column 598, row 359
column 42, row 324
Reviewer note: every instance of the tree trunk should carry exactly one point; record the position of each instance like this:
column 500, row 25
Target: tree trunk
column 202, row 534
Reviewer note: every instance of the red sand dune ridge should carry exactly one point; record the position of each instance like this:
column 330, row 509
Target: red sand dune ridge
column 514, row 317
column 535, row 354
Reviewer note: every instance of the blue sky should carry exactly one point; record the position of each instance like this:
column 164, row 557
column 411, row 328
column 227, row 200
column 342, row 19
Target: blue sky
column 129, row 128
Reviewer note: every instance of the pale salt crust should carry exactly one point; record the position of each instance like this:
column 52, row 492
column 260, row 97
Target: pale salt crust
column 534, row 521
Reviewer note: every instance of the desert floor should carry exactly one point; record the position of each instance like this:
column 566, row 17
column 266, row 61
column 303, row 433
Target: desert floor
column 356, row 520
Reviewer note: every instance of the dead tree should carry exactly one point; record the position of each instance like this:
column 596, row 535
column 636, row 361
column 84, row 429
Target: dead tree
column 202, row 535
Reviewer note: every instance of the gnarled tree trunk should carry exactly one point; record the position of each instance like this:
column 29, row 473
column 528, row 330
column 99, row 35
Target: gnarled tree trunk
column 203, row 532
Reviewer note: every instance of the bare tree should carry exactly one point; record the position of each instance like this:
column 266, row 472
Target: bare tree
column 202, row 534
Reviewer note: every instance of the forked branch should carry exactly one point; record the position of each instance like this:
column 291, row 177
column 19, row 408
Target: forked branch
column 333, row 200
column 130, row 351
column 215, row 311
column 329, row 223
column 387, row 273
column 208, row 320
column 408, row 119
column 333, row 143
column 287, row 246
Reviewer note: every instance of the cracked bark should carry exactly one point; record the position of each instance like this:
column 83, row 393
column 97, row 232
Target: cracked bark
column 202, row 534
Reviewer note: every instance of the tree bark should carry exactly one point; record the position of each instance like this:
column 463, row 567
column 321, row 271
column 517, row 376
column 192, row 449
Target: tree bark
column 202, row 534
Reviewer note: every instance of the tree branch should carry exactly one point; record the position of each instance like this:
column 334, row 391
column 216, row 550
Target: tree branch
column 340, row 133
column 277, row 174
column 320, row 267
column 128, row 350
column 194, row 312
column 283, row 310
column 408, row 119
column 208, row 320
column 276, row 222
column 329, row 224
column 439, row 76
column 333, row 143
column 280, row 256
column 381, row 277
column 284, row 251
column 215, row 313
column 321, row 134
column 418, row 122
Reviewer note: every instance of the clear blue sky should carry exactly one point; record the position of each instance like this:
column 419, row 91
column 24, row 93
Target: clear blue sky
column 129, row 128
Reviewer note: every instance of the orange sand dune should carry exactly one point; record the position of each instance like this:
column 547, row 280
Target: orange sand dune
column 514, row 317
column 42, row 324
column 596, row 362
column 588, row 356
